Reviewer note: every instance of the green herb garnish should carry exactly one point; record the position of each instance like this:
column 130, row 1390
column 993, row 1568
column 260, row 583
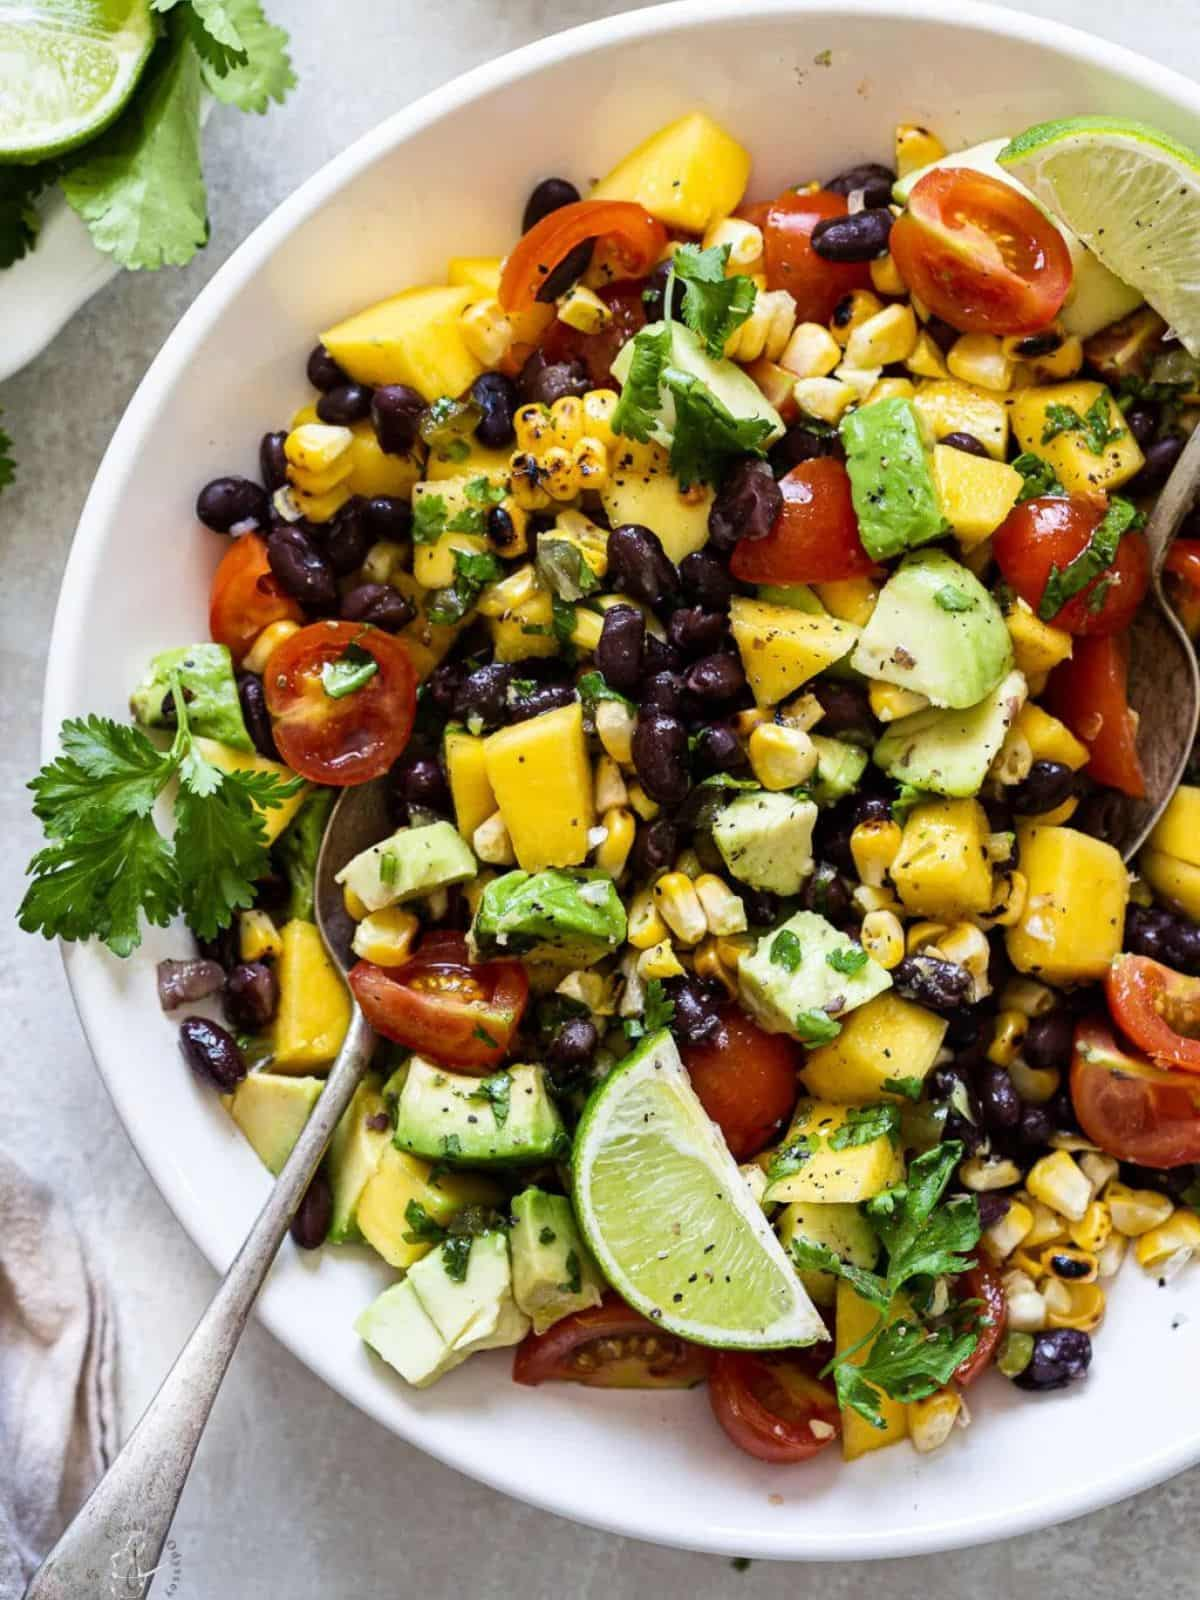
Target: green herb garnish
column 950, row 598
column 816, row 1027
column 786, row 950
column 1093, row 426
column 910, row 1088
column 1094, row 559
column 429, row 518
column 714, row 306
column 1039, row 478
column 848, row 961
column 864, row 1124
column 352, row 669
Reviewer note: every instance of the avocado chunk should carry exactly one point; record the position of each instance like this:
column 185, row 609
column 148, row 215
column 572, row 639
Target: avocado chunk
column 949, row 752
column 271, row 1111
column 506, row 1120
column 553, row 1271
column 205, row 673
column 936, row 629
column 891, row 478
column 844, row 1229
column 387, row 1216
column 803, row 975
column 839, row 767
column 576, row 916
column 766, row 840
column 413, row 862
column 354, row 1153
column 296, row 852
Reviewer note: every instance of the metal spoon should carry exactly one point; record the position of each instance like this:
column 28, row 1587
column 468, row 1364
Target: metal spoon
column 114, row 1544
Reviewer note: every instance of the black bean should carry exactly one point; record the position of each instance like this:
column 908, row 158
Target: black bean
column 802, row 443
column 718, row 748
column 992, row 1207
column 1147, row 931
column 496, row 397
column 717, row 677
column 873, row 179
column 225, row 502
column 619, row 650
column 998, row 1100
column 1046, row 786
column 251, row 996
column 211, row 1053
column 662, row 692
column 966, row 442
column 1100, row 813
column 999, row 814
column 1044, row 343
column 1036, row 1127
column 1060, row 1356
column 549, row 195
column 1048, row 1039
column 545, row 697
column 255, row 715
column 862, row 236
column 846, row 709
column 638, row 565
column 483, row 693
column 303, row 572
column 272, row 460
column 386, row 517
column 942, row 1082
column 942, row 334
column 1142, row 422
column 660, row 757
column 655, row 847
column 221, row 948
column 969, row 1025
column 656, row 288
column 1183, row 946
column 272, row 891
column 659, row 657
column 323, row 371
column 1173, row 1181
column 349, row 402
column 542, row 382
column 1161, row 457
column 502, row 531
column 396, row 412
column 378, row 604
column 420, row 781
column 573, row 1044
column 184, row 982
column 1062, row 1110
column 705, row 581
column 967, row 1133
column 310, row 1225
column 762, row 907
column 347, row 539
column 746, row 506
column 838, row 822
column 445, row 685
column 568, row 271
column 943, row 985
column 827, row 893
column 696, row 1015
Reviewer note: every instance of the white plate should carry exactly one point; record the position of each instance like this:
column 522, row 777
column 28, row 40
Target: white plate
column 449, row 175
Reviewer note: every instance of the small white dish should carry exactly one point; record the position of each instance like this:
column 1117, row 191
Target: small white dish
column 810, row 88
column 41, row 293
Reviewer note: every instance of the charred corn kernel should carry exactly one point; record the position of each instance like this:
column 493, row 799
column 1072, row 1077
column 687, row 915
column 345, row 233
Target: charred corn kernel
column 1057, row 1182
column 503, row 598
column 707, row 963
column 315, row 449
column 486, row 331
column 1098, row 1169
column 1007, row 1032
column 641, row 802
column 916, row 147
column 766, row 330
column 890, row 335
column 581, row 308
column 811, row 352
column 1025, row 1259
column 1003, row 1237
column 1013, row 760
column 646, row 927
column 1092, row 1231
column 745, row 722
column 355, row 909
column 927, row 360
column 882, row 937
column 867, row 897
column 1069, row 1263
column 885, row 276
column 920, row 935
column 660, row 961
column 528, row 490
column 968, row 947
column 1027, row 995
column 1065, row 362
column 590, row 458
column 1038, row 1085
column 386, row 937
column 620, row 830
column 1175, row 1242
column 724, row 912
column 827, row 399
column 1048, row 1226
column 322, row 507
column 1084, row 1309
column 804, row 712
column 258, row 937
column 781, row 757
column 592, row 989
column 851, row 311
column 889, row 702
column 1010, row 890
column 745, row 242
column 890, row 389
column 1026, row 1308
column 679, row 907
column 532, row 427
column 979, row 358
column 614, row 728
column 1112, row 1255
column 272, row 636
column 598, row 408
column 566, row 421
column 559, row 472
column 633, row 993
column 384, row 559
column 874, row 846
column 1136, row 1211
column 931, row 1421
column 609, row 785
column 491, row 842
column 985, row 1173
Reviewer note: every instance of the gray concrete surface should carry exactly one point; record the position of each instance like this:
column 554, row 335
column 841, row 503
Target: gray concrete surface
column 295, row 1495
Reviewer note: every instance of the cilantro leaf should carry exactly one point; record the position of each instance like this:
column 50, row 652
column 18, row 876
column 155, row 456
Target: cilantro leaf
column 714, row 306
column 848, row 961
column 562, row 616
column 353, row 668
column 8, row 466
column 19, row 219
column 816, row 1027
column 429, row 518
column 422, row 1228
column 910, row 1088
column 1094, row 559
column 106, row 772
column 99, row 882
column 636, row 412
column 908, row 796
column 706, row 433
column 213, row 32
column 789, row 1158
column 497, row 1091
column 951, row 598
column 786, row 951
column 220, row 848
column 810, row 1256
column 593, row 688
column 864, row 1124
column 907, row 1362
column 1039, row 478
column 919, row 1237
column 574, row 1274
column 1094, row 426
column 265, row 74
column 473, row 569
column 456, row 1256
column 658, row 1011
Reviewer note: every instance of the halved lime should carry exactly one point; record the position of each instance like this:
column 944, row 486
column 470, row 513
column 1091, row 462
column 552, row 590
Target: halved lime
column 670, row 1218
column 1132, row 193
column 67, row 67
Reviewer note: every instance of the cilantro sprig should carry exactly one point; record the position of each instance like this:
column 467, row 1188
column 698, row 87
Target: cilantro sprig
column 658, row 1011
column 8, row 465
column 1094, row 426
column 714, row 305
column 1093, row 560
column 1039, row 475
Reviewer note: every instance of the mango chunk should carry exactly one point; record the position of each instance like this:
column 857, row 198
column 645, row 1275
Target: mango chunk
column 397, row 1181
column 1050, row 739
column 942, row 869
column 466, row 772
column 887, row 1038
column 1080, row 468
column 374, row 472
column 526, row 629
column 844, row 1176
column 782, row 648
column 1178, row 829
column 1073, row 922
column 1038, row 647
column 426, row 642
column 542, row 779
column 641, row 488
column 314, row 1003
column 688, row 174
column 275, row 818
column 976, row 492
column 946, row 405
column 1175, row 880
column 855, row 1319
column 415, row 338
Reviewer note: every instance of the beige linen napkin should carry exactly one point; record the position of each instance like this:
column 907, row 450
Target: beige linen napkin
column 57, row 1405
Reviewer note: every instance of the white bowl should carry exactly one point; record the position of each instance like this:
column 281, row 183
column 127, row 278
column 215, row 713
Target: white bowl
column 449, row 175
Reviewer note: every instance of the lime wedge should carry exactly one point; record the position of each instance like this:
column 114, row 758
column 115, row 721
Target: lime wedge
column 67, row 67
column 1132, row 194
column 670, row 1218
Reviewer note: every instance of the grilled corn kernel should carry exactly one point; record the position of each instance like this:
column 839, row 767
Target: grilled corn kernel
column 525, row 476
column 355, row 909
column 861, row 379
column 804, row 712
column 598, row 408
column 1007, row 1033
column 1010, row 890
column 781, row 757
column 646, row 927
column 532, row 427
column 1057, row 1297
column 608, row 785
column 921, row 935
column 1084, row 1308
column 851, row 311
column 827, row 399
column 1098, row 1169
column 501, row 599
column 566, row 421
column 882, row 937
column 315, row 449
column 1048, row 1227
column 888, row 702
column 259, row 653
column 890, row 389
column 811, row 352
column 258, row 937
column 1003, row 1237
column 968, row 947
column 1069, row 1263
column 491, row 842
column 614, row 728
column 486, row 331
column 765, row 333
column 660, row 961
column 1013, row 759
column 613, row 852
column 890, row 335
column 386, row 937
column 916, row 147
column 679, row 906
column 708, row 964
column 1058, row 364
column 1136, row 1211
column 931, row 1421
column 745, row 242
column 982, row 1174
column 1038, row 1085
column 867, row 897
column 1093, row 1229
column 979, row 358
column 384, row 559
column 1172, row 1244
column 874, row 846
column 885, row 276
column 641, row 802
column 745, row 722
column 1057, row 1181
column 584, row 310
column 1026, row 1308
column 559, row 472
column 927, row 360
column 723, row 910
column 1029, row 996
column 1112, row 1255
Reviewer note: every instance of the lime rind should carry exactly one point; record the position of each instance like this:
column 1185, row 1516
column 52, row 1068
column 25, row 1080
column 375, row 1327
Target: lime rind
column 670, row 1219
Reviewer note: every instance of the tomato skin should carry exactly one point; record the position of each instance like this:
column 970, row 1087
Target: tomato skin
column 980, row 255
column 983, row 1282
column 768, row 1406
column 790, row 261
column 1183, row 565
column 552, row 1357
column 246, row 597
column 814, row 538
column 746, row 1080
column 441, row 1005
column 636, row 238
column 599, row 350
column 1051, row 531
column 340, row 741
column 1088, row 693
column 1130, row 1108
column 1151, row 1003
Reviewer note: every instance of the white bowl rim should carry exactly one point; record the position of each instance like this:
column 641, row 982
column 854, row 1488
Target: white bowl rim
column 1122, row 1478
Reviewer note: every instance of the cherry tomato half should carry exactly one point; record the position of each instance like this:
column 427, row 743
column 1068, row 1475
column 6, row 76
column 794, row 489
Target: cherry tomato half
column 746, row 1081
column 246, row 597
column 771, row 1407
column 790, row 261
column 983, row 1283
column 814, row 538
column 610, row 1346
column 1183, row 583
column 980, row 255
column 1156, row 1008
column 1047, row 533
column 346, row 737
column 599, row 350
column 1135, row 1111
column 1089, row 694
column 634, row 238
column 438, row 1003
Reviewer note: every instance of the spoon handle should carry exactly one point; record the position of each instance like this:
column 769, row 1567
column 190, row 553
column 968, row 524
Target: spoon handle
column 1174, row 502
column 112, row 1547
